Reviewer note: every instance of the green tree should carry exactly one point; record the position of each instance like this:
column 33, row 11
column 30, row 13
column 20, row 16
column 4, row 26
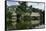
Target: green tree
column 21, row 9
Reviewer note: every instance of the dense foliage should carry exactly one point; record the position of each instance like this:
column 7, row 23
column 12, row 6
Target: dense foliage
column 25, row 21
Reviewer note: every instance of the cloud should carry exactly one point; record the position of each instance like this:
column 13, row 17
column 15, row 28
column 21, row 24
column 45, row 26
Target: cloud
column 12, row 0
column 37, row 5
column 9, row 3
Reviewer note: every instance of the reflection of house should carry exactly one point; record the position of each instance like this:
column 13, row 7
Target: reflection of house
column 35, row 18
column 14, row 18
column 35, row 14
column 12, row 10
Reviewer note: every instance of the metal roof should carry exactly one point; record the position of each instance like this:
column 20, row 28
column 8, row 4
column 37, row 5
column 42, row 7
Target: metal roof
column 35, row 14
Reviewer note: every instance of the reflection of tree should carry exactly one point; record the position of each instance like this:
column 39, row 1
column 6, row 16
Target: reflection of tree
column 42, row 17
column 21, row 9
column 25, row 22
column 27, row 18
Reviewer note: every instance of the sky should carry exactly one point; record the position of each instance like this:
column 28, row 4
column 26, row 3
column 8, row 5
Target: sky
column 11, row 0
column 9, row 3
column 35, row 5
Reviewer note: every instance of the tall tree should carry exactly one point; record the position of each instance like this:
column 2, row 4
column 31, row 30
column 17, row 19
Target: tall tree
column 21, row 9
